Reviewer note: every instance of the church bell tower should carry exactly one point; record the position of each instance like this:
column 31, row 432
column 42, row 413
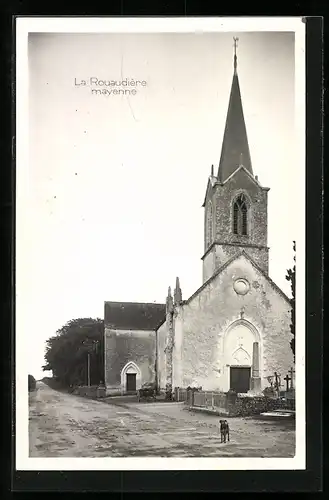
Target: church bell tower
column 235, row 204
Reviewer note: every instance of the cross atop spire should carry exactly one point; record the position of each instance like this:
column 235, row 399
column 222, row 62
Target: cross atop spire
column 235, row 39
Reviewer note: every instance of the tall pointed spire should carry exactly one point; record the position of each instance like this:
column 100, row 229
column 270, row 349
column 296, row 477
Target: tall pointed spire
column 235, row 148
column 169, row 302
column 177, row 293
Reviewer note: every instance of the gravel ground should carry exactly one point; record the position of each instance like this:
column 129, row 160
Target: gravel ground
column 65, row 425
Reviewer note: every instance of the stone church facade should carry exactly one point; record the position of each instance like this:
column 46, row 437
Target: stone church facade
column 233, row 332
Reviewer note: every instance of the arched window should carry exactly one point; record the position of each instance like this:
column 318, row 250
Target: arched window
column 240, row 216
column 209, row 232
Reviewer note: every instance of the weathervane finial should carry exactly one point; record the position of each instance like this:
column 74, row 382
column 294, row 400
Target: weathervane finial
column 235, row 39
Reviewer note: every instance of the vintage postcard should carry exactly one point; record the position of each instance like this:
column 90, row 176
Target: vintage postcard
column 160, row 226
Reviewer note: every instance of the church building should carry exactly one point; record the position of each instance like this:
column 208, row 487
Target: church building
column 234, row 331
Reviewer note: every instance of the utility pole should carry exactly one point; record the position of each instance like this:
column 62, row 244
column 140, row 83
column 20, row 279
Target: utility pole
column 91, row 346
column 88, row 368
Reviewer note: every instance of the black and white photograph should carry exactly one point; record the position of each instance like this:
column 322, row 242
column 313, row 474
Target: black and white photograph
column 160, row 225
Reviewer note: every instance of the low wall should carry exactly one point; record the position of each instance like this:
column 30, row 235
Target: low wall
column 230, row 403
column 93, row 391
column 183, row 395
column 195, row 397
column 210, row 399
column 114, row 392
column 254, row 405
column 180, row 394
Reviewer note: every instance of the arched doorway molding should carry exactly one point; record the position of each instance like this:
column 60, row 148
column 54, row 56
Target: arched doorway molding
column 247, row 324
column 237, row 353
column 130, row 368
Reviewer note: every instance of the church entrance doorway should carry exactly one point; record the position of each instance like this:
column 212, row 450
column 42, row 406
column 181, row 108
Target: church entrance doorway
column 240, row 378
column 131, row 378
column 131, row 382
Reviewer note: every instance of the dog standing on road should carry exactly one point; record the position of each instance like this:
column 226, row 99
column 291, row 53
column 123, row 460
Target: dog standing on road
column 224, row 430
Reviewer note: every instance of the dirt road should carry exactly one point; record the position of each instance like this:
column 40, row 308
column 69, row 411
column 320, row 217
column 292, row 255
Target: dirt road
column 64, row 425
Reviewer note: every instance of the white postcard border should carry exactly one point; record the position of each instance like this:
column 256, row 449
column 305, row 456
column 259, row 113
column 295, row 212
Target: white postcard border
column 26, row 25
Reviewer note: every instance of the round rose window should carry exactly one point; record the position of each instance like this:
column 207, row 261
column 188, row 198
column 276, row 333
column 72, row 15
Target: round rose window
column 241, row 286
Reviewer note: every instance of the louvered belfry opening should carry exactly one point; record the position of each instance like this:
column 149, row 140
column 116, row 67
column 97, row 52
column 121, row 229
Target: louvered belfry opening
column 240, row 216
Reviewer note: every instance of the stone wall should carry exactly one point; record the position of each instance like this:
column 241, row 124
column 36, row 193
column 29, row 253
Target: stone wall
column 177, row 350
column 257, row 212
column 124, row 346
column 208, row 314
column 93, row 391
column 225, row 252
column 209, row 264
column 161, row 361
column 248, row 406
column 228, row 243
column 231, row 405
column 219, row 254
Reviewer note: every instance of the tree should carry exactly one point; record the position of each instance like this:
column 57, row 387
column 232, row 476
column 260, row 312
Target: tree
column 291, row 277
column 67, row 352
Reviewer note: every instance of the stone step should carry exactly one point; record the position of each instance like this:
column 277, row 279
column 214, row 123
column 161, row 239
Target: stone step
column 283, row 410
column 277, row 414
column 214, row 411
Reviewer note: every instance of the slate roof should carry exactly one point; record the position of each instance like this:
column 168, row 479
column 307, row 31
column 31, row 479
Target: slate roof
column 235, row 147
column 134, row 315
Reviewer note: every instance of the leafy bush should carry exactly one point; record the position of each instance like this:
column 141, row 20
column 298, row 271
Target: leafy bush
column 269, row 392
column 291, row 277
column 53, row 383
column 32, row 383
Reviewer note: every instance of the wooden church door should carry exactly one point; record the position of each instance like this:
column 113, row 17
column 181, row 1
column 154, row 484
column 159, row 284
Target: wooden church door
column 240, row 378
column 131, row 382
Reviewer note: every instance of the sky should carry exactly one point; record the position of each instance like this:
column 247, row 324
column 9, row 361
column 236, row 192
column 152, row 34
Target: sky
column 114, row 184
